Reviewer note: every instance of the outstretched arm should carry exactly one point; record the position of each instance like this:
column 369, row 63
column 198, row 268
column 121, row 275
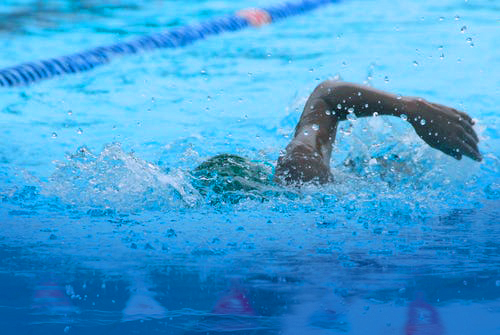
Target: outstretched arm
column 307, row 157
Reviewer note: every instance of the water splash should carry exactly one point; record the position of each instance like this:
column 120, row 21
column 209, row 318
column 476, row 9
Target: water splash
column 118, row 180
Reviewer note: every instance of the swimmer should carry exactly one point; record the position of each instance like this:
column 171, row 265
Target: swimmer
column 307, row 156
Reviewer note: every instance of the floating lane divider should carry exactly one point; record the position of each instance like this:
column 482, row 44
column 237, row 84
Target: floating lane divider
column 31, row 72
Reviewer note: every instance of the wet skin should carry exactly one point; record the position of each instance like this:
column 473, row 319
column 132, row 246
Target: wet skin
column 307, row 156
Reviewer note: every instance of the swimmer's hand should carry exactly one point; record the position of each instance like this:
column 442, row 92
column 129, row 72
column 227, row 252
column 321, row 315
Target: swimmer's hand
column 444, row 128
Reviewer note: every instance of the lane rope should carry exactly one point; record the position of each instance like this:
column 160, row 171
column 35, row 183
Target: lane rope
column 31, row 72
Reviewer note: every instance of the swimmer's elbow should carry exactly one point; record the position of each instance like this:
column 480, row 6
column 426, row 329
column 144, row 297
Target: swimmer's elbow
column 330, row 88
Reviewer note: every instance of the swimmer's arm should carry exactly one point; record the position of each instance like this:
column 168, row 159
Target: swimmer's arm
column 307, row 156
column 442, row 127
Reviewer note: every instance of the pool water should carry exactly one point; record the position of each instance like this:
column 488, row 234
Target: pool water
column 103, row 229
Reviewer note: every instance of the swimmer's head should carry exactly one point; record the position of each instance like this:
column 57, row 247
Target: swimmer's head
column 231, row 175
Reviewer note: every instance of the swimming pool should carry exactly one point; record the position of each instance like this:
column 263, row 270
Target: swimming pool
column 102, row 230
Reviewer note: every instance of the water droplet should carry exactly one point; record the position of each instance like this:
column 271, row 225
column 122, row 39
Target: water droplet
column 339, row 106
column 366, row 105
column 463, row 29
column 457, row 17
column 375, row 114
column 344, row 63
column 315, row 127
column 441, row 56
column 350, row 110
column 209, row 98
column 386, row 79
column 54, row 135
column 359, row 94
column 415, row 63
column 311, row 70
column 79, row 131
column 70, row 112
column 399, row 97
column 441, row 18
column 306, row 133
column 422, row 122
column 469, row 39
column 327, row 112
column 404, row 117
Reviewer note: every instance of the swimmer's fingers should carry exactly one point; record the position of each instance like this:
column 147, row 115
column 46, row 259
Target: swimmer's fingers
column 457, row 116
column 470, row 131
column 466, row 126
column 445, row 129
column 462, row 144
column 460, row 114
column 469, row 147
column 471, row 141
column 464, row 131
column 471, row 152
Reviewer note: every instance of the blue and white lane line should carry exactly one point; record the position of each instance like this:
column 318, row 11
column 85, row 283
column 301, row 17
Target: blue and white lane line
column 31, row 72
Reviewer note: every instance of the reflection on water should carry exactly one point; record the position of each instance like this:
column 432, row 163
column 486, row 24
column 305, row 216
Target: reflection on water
column 316, row 297
column 423, row 318
column 141, row 304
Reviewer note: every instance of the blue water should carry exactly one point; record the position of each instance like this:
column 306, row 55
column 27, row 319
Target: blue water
column 102, row 231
